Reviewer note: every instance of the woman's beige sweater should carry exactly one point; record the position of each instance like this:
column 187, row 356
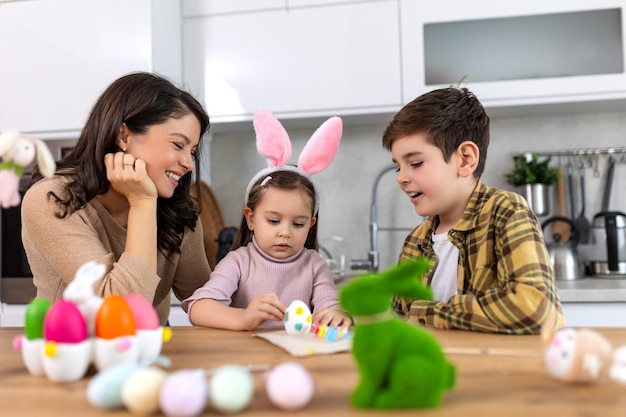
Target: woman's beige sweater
column 56, row 248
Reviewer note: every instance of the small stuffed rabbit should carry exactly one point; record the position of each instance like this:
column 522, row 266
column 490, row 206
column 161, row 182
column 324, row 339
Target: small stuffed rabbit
column 80, row 291
column 17, row 152
column 401, row 365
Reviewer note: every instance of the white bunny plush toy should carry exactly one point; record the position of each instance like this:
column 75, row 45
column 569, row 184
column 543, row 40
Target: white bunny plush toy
column 17, row 152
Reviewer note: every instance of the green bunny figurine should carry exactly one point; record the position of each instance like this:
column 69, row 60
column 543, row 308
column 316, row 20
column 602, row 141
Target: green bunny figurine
column 401, row 365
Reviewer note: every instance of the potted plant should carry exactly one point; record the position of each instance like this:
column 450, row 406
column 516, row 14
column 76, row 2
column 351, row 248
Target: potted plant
column 533, row 179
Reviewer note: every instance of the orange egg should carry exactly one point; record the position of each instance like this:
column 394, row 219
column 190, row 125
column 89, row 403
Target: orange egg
column 115, row 318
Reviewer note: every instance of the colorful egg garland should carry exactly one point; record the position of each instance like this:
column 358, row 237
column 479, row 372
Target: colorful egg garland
column 228, row 389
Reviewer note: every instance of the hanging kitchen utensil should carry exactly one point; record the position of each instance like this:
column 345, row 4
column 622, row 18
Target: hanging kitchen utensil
column 563, row 229
column 606, row 196
column 570, row 189
column 581, row 223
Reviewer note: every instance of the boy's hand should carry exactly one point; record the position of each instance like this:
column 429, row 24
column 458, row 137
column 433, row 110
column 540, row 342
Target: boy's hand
column 333, row 318
column 261, row 308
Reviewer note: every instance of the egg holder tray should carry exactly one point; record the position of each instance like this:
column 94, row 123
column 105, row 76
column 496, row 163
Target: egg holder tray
column 61, row 343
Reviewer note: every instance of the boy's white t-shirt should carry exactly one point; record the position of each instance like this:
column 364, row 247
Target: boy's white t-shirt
column 444, row 280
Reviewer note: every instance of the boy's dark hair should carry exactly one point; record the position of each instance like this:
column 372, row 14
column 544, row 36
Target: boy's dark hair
column 448, row 117
column 283, row 180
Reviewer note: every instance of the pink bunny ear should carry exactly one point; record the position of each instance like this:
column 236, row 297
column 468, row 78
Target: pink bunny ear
column 272, row 140
column 321, row 149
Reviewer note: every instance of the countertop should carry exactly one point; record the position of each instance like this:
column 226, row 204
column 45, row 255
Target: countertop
column 499, row 375
column 592, row 290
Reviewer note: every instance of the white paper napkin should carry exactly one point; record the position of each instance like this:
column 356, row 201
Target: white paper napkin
column 305, row 345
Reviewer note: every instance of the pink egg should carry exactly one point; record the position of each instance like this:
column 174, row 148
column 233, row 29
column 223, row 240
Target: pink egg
column 289, row 386
column 184, row 393
column 64, row 323
column 146, row 317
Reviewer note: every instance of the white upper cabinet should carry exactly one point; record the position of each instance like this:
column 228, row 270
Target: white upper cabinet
column 516, row 53
column 59, row 55
column 296, row 62
column 211, row 7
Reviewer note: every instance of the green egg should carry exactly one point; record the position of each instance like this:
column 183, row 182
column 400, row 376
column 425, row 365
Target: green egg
column 34, row 317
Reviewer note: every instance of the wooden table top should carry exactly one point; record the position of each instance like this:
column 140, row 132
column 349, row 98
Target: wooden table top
column 507, row 380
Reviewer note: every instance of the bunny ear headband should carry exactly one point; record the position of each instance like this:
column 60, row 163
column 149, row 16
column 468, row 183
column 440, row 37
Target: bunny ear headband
column 272, row 142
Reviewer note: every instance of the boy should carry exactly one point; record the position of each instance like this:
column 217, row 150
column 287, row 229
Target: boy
column 490, row 269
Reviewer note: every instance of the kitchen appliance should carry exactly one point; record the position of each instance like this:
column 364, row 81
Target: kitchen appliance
column 607, row 250
column 16, row 278
column 562, row 253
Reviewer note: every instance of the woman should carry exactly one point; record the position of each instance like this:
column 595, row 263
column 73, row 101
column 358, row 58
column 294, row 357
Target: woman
column 121, row 198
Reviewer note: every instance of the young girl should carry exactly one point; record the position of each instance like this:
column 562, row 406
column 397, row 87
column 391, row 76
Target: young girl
column 274, row 260
column 121, row 198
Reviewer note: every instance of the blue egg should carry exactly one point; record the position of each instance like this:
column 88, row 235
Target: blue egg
column 105, row 388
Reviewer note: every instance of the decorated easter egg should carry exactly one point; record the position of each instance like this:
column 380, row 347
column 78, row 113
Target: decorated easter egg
column 105, row 388
column 34, row 318
column 149, row 332
column 184, row 393
column 115, row 318
column 146, row 316
column 140, row 391
column 618, row 367
column 297, row 318
column 289, row 386
column 578, row 356
column 64, row 323
column 231, row 388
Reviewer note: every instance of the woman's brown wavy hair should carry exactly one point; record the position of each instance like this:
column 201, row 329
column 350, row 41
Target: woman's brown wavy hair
column 138, row 100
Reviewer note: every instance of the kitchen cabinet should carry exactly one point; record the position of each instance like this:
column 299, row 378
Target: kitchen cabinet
column 516, row 53
column 59, row 55
column 213, row 7
column 296, row 62
column 594, row 314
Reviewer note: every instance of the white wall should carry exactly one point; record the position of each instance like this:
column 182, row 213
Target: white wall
column 346, row 186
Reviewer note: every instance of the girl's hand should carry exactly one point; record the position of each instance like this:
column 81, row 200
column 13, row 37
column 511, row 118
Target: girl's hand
column 333, row 318
column 262, row 308
column 128, row 176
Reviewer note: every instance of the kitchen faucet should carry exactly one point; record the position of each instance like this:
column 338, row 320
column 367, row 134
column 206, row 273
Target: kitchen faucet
column 371, row 263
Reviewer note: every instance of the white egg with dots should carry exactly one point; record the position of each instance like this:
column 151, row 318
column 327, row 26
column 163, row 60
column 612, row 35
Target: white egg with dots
column 297, row 318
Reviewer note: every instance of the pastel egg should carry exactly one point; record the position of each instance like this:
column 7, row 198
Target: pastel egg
column 115, row 318
column 140, row 391
column 64, row 323
column 184, row 393
column 231, row 389
column 34, row 318
column 289, row 386
column 297, row 318
column 105, row 388
column 146, row 316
